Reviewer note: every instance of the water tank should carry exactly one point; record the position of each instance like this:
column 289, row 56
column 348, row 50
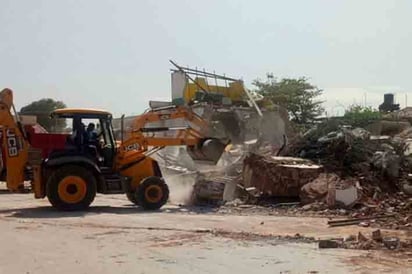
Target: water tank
column 388, row 104
column 388, row 99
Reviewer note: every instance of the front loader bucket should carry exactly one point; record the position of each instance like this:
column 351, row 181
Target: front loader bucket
column 232, row 126
column 208, row 151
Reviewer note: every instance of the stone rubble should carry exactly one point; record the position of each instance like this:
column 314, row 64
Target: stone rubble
column 365, row 243
column 346, row 174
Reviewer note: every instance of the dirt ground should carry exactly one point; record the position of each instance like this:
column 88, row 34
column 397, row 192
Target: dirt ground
column 116, row 237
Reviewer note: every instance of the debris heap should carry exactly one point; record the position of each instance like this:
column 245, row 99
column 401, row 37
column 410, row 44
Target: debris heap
column 345, row 172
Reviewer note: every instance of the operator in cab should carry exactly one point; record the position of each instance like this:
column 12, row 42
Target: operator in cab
column 91, row 134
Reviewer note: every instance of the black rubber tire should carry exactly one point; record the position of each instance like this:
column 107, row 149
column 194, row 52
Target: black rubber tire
column 3, row 175
column 131, row 196
column 141, row 197
column 71, row 170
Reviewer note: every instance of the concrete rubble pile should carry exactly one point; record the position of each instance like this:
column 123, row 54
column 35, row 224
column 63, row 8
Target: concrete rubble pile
column 364, row 175
column 347, row 172
column 326, row 171
column 376, row 240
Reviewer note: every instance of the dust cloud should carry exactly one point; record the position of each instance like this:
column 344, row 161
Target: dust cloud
column 181, row 187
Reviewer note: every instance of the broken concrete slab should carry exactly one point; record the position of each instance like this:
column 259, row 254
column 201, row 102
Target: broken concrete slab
column 387, row 127
column 342, row 193
column 346, row 196
column 329, row 187
column 210, row 187
column 317, row 189
column 208, row 192
column 278, row 176
column 388, row 161
column 229, row 192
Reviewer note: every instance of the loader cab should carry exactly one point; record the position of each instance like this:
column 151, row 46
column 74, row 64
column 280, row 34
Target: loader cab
column 74, row 123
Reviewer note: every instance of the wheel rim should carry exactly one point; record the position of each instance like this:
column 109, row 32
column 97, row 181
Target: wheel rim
column 153, row 194
column 72, row 189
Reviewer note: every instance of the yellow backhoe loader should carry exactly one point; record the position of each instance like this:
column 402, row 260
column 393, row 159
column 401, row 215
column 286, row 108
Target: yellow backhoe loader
column 70, row 169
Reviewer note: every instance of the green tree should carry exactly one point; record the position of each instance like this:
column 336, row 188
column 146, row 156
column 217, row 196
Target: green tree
column 298, row 96
column 359, row 116
column 42, row 109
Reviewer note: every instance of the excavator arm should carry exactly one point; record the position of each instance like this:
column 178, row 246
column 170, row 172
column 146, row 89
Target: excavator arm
column 175, row 126
column 14, row 144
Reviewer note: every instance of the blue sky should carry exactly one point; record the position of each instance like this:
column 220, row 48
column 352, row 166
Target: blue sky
column 114, row 54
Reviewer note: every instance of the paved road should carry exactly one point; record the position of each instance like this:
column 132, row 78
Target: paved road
column 115, row 237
